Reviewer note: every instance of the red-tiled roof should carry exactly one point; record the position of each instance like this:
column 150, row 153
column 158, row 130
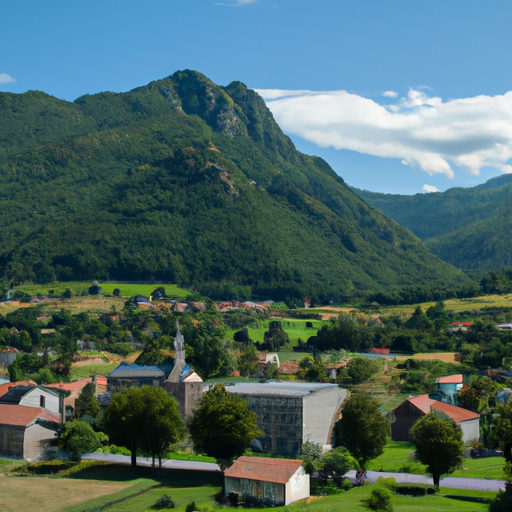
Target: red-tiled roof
column 277, row 471
column 457, row 414
column 4, row 388
column 23, row 415
column 451, row 379
column 70, row 386
column 101, row 381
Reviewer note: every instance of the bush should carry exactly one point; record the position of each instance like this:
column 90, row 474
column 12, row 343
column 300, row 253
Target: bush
column 191, row 507
column 379, row 499
column 414, row 489
column 503, row 501
column 163, row 502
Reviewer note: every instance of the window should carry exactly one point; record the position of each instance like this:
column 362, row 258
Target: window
column 41, row 400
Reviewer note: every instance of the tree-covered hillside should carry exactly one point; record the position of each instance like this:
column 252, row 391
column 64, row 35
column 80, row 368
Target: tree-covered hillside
column 186, row 181
column 470, row 228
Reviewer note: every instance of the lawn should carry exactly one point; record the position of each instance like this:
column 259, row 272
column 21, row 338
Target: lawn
column 351, row 501
column 294, row 328
column 85, row 371
column 398, row 458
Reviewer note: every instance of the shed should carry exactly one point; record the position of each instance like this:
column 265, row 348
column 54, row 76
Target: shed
column 269, row 481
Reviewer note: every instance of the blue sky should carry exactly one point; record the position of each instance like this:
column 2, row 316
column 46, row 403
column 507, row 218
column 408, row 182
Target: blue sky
column 397, row 96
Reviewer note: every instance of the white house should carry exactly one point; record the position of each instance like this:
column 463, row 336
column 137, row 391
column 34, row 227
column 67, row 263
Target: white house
column 269, row 481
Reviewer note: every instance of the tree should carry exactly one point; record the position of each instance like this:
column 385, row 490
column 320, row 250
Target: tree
column 338, row 461
column 501, row 433
column 362, row 429
column 78, row 438
column 143, row 419
column 361, row 369
column 439, row 445
column 87, row 403
column 223, row 425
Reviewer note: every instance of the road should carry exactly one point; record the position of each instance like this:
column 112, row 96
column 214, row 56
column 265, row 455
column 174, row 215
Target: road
column 477, row 484
column 142, row 461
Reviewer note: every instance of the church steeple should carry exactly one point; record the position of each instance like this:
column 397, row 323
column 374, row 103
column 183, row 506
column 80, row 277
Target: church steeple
column 179, row 345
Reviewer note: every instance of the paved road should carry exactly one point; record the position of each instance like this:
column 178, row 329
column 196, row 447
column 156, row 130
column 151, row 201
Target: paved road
column 477, row 484
column 142, row 461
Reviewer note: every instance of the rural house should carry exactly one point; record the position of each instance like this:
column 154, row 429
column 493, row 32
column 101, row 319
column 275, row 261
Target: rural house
column 130, row 375
column 292, row 413
column 268, row 481
column 411, row 410
column 25, row 432
column 33, row 396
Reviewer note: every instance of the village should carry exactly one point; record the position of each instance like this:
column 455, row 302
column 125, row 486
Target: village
column 297, row 401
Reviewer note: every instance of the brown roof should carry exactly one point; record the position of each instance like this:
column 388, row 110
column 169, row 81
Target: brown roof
column 4, row 388
column 457, row 414
column 451, row 379
column 70, row 386
column 277, row 471
column 23, row 415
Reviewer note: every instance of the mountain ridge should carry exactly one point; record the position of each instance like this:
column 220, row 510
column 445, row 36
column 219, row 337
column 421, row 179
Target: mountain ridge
column 190, row 182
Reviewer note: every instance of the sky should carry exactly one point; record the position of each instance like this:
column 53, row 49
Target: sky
column 397, row 96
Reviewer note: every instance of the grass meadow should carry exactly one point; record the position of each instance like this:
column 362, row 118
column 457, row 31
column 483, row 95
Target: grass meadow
column 127, row 289
column 398, row 457
column 115, row 488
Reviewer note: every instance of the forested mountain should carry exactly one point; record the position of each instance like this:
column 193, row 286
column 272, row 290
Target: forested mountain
column 470, row 228
column 186, row 181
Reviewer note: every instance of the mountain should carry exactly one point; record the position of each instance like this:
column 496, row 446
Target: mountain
column 471, row 228
column 186, row 181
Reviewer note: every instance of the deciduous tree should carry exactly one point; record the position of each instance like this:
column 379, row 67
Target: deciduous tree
column 362, row 429
column 143, row 419
column 223, row 425
column 439, row 445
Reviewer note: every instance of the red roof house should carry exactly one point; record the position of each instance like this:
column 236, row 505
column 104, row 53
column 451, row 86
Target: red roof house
column 26, row 431
column 411, row 410
column 268, row 481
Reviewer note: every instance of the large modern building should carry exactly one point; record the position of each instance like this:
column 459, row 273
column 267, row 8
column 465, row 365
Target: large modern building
column 292, row 413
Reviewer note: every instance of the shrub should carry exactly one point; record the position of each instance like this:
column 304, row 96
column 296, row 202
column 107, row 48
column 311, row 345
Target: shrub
column 191, row 507
column 379, row 499
column 163, row 502
column 503, row 501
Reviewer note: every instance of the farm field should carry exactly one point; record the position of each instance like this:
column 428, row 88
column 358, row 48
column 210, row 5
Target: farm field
column 127, row 289
column 43, row 494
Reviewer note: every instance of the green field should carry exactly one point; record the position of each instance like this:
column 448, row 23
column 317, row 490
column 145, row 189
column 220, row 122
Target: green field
column 114, row 488
column 295, row 328
column 398, row 457
column 127, row 289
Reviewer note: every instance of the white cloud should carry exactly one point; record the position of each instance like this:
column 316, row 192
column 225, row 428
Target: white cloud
column 390, row 94
column 6, row 79
column 422, row 131
column 430, row 188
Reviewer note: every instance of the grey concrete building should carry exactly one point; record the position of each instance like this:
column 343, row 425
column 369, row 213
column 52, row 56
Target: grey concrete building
column 292, row 413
